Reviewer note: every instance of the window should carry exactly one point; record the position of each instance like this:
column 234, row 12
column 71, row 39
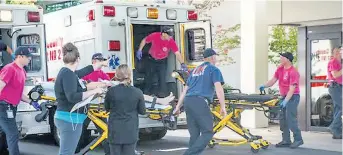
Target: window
column 195, row 44
column 33, row 42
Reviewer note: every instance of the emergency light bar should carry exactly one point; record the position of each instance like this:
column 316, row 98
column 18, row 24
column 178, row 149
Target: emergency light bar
column 109, row 11
column 171, row 14
column 192, row 15
column 152, row 13
column 132, row 12
column 5, row 16
column 33, row 16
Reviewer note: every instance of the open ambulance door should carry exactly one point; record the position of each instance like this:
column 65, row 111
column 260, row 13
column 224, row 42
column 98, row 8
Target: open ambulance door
column 195, row 37
column 32, row 36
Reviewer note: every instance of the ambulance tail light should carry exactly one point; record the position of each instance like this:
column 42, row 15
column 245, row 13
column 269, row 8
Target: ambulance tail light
column 91, row 15
column 114, row 45
column 132, row 12
column 192, row 15
column 152, row 13
column 109, row 11
column 33, row 16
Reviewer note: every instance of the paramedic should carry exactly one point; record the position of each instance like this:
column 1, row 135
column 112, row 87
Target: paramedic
column 124, row 102
column 203, row 81
column 6, row 55
column 12, row 82
column 161, row 44
column 69, row 90
column 288, row 78
column 97, row 75
column 335, row 89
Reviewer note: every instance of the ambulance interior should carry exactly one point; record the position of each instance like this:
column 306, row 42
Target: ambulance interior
column 5, row 57
column 31, row 40
column 140, row 31
column 195, row 43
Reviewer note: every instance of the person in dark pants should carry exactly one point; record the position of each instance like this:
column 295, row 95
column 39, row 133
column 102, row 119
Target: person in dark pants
column 335, row 90
column 288, row 78
column 69, row 90
column 162, row 43
column 197, row 94
column 124, row 102
column 12, row 82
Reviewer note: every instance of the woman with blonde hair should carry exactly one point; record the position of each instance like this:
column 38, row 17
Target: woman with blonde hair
column 124, row 102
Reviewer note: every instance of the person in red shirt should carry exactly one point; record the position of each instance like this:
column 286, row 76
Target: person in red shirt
column 288, row 78
column 12, row 82
column 98, row 75
column 335, row 89
column 161, row 44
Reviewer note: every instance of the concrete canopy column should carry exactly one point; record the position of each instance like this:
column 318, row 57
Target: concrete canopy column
column 254, row 56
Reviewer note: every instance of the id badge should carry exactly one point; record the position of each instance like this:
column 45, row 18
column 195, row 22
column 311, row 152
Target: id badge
column 82, row 84
column 9, row 113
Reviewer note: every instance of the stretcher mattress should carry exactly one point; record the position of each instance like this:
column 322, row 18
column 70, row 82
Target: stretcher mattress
column 249, row 97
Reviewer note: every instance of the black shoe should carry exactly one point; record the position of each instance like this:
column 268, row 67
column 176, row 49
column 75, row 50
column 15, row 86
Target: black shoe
column 337, row 137
column 296, row 144
column 283, row 144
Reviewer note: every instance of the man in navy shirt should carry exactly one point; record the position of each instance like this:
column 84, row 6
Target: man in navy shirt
column 201, row 85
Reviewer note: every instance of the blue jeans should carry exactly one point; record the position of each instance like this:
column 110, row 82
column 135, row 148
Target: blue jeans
column 9, row 126
column 200, row 124
column 289, row 120
column 335, row 91
column 69, row 136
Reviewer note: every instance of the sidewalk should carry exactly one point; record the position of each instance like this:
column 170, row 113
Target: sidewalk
column 312, row 140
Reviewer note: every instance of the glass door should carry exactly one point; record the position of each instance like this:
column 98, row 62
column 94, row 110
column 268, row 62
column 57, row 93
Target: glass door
column 319, row 52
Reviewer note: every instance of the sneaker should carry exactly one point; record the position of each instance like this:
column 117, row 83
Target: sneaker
column 283, row 144
column 297, row 144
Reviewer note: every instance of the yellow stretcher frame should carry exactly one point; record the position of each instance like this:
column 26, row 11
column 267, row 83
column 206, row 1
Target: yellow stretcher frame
column 256, row 142
column 96, row 113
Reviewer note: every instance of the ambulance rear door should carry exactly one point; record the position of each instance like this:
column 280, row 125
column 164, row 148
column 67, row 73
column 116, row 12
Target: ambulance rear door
column 32, row 36
column 195, row 37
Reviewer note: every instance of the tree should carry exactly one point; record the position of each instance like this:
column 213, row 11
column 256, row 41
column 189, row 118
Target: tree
column 22, row 2
column 225, row 40
column 282, row 39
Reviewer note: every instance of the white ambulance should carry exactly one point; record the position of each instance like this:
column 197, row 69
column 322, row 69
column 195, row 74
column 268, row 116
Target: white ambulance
column 23, row 26
column 116, row 30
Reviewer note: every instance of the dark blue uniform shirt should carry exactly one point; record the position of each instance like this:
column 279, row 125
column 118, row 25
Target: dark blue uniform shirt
column 201, row 81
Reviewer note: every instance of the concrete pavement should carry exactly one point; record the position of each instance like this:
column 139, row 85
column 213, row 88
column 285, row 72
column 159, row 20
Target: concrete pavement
column 175, row 143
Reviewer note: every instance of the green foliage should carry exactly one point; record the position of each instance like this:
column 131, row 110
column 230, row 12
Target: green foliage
column 283, row 39
column 224, row 40
column 21, row 2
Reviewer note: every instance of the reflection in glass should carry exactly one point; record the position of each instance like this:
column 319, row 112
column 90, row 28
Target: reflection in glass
column 320, row 56
column 321, row 105
column 33, row 42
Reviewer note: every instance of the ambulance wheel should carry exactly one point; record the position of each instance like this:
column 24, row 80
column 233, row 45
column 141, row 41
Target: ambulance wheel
column 56, row 135
column 159, row 134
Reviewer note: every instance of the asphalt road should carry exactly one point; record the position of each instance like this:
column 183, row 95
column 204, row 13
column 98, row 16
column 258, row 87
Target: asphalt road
column 169, row 145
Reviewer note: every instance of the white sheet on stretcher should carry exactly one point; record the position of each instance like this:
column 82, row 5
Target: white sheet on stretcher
column 50, row 91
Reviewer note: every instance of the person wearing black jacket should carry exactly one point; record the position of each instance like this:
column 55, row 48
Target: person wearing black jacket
column 69, row 90
column 124, row 102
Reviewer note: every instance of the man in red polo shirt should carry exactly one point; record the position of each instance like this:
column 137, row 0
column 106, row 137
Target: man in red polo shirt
column 12, row 81
column 161, row 44
column 97, row 75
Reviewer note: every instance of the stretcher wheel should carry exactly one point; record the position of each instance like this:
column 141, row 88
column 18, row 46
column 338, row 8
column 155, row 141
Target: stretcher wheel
column 211, row 144
column 254, row 150
column 264, row 144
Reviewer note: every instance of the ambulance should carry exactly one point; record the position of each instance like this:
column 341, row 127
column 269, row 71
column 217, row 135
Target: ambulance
column 116, row 29
column 23, row 26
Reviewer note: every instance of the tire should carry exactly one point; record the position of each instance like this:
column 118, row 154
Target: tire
column 154, row 135
column 56, row 135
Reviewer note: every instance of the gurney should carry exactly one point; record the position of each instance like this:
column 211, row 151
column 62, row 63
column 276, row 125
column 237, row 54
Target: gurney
column 236, row 103
column 96, row 112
